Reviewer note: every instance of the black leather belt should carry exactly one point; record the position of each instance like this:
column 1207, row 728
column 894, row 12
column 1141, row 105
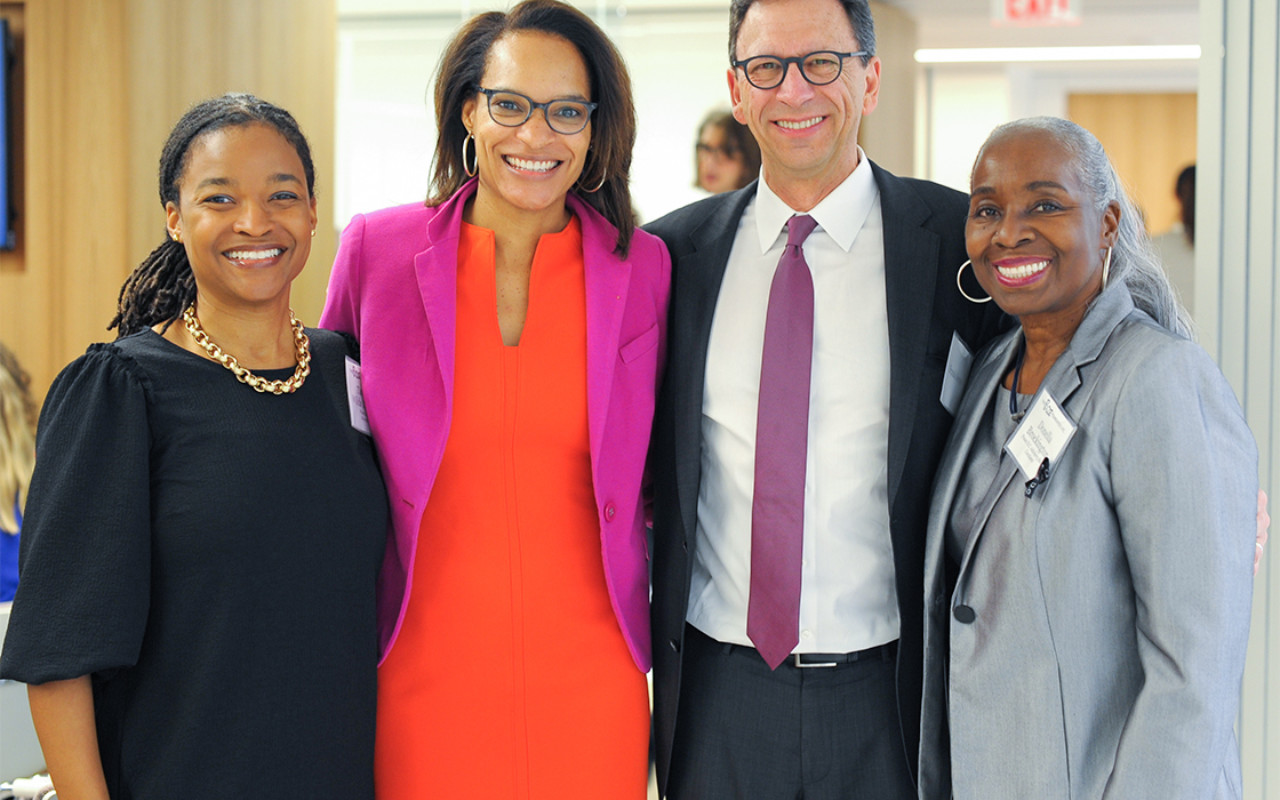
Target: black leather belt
column 885, row 652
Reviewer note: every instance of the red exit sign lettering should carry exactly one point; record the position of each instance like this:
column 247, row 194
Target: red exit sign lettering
column 1036, row 12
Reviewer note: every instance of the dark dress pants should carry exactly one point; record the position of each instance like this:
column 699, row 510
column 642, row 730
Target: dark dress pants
column 745, row 732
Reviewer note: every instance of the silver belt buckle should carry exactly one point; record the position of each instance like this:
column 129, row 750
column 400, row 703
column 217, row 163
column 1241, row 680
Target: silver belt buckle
column 814, row 665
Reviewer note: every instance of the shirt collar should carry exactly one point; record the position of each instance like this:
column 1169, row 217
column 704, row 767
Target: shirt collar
column 840, row 214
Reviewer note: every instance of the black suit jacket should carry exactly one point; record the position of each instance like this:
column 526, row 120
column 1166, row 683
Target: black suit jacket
column 923, row 248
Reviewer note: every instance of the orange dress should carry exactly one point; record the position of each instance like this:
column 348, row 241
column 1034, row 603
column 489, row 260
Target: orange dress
column 510, row 677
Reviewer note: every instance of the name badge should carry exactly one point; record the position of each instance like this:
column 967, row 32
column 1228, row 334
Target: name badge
column 956, row 375
column 355, row 398
column 1041, row 436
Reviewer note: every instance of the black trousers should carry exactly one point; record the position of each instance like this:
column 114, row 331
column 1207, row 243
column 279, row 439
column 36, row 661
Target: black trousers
column 746, row 732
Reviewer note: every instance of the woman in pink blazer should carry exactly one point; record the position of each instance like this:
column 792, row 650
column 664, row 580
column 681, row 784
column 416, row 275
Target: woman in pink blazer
column 500, row 675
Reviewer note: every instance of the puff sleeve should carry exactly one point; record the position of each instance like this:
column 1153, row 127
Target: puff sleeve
column 83, row 596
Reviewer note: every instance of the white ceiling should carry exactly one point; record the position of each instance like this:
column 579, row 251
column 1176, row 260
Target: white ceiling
column 968, row 23
column 941, row 23
column 983, row 7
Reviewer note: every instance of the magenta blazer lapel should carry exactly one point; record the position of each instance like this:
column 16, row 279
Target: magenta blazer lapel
column 394, row 286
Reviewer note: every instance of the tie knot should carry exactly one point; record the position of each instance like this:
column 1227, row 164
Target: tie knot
column 798, row 229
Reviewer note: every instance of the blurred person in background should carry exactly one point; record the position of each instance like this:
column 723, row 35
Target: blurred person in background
column 727, row 156
column 17, row 456
column 1176, row 246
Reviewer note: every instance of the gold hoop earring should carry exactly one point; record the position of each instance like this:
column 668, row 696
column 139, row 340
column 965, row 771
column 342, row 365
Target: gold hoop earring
column 599, row 185
column 960, row 272
column 1106, row 268
column 471, row 173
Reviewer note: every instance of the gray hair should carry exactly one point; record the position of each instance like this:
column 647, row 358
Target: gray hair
column 1133, row 260
column 858, row 12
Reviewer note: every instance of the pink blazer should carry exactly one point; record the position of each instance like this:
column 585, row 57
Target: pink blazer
column 394, row 287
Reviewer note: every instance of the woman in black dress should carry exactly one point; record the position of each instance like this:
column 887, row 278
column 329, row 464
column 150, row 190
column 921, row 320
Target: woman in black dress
column 195, row 615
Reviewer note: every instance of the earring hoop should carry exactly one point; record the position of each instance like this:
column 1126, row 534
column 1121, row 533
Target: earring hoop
column 471, row 173
column 599, row 185
column 1106, row 268
column 966, row 295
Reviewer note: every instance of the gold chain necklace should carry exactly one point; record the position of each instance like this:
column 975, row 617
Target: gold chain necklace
column 301, row 347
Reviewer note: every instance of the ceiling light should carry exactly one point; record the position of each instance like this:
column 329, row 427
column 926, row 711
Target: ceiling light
column 979, row 55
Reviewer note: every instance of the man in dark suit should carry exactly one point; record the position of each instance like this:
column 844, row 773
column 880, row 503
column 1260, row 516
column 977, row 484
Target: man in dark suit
column 839, row 717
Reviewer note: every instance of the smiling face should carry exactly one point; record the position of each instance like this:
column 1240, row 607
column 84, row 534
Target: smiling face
column 530, row 168
column 808, row 134
column 244, row 216
column 1034, row 235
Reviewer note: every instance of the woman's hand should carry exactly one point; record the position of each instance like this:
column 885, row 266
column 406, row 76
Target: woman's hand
column 64, row 718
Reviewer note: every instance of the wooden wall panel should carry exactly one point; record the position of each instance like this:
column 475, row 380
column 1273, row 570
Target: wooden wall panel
column 74, row 204
column 104, row 82
column 281, row 50
column 888, row 133
column 1150, row 138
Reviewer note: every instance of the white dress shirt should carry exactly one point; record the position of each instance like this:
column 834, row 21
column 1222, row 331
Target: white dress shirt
column 848, row 600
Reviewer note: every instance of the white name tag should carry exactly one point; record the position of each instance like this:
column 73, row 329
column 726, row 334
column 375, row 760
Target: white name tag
column 355, row 398
column 1042, row 434
column 956, row 375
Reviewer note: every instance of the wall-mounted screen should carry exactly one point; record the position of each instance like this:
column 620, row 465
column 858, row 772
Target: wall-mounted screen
column 7, row 211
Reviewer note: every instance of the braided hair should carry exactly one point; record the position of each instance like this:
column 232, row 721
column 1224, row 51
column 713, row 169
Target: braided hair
column 162, row 286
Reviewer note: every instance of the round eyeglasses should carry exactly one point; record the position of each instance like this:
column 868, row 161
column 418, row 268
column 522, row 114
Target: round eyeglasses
column 708, row 151
column 512, row 109
column 818, row 68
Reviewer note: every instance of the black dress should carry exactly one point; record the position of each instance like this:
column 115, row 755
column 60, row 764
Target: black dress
column 208, row 554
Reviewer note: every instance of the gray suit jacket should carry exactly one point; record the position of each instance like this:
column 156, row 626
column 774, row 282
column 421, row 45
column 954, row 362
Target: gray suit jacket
column 1107, row 662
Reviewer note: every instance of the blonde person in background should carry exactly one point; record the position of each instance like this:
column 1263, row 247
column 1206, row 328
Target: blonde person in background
column 17, row 457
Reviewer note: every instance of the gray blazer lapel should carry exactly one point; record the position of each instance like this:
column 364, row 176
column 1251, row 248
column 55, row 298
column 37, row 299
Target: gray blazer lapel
column 983, row 381
column 1063, row 383
column 1099, row 322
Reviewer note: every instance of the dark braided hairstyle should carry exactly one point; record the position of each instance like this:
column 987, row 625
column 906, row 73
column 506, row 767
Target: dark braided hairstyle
column 162, row 286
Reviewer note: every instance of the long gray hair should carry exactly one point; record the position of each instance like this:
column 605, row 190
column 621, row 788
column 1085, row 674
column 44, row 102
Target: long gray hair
column 1133, row 260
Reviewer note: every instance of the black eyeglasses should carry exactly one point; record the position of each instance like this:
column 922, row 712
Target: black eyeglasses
column 818, row 68
column 512, row 109
column 706, row 150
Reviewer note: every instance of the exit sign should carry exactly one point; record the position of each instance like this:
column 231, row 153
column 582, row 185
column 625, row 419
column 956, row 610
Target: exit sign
column 1035, row 12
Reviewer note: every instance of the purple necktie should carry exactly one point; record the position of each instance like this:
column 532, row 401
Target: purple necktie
column 782, row 433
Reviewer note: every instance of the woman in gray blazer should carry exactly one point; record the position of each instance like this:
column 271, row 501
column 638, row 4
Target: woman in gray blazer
column 1090, row 546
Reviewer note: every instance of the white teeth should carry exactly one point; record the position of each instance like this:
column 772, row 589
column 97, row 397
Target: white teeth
column 1023, row 270
column 253, row 255
column 798, row 126
column 532, row 166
